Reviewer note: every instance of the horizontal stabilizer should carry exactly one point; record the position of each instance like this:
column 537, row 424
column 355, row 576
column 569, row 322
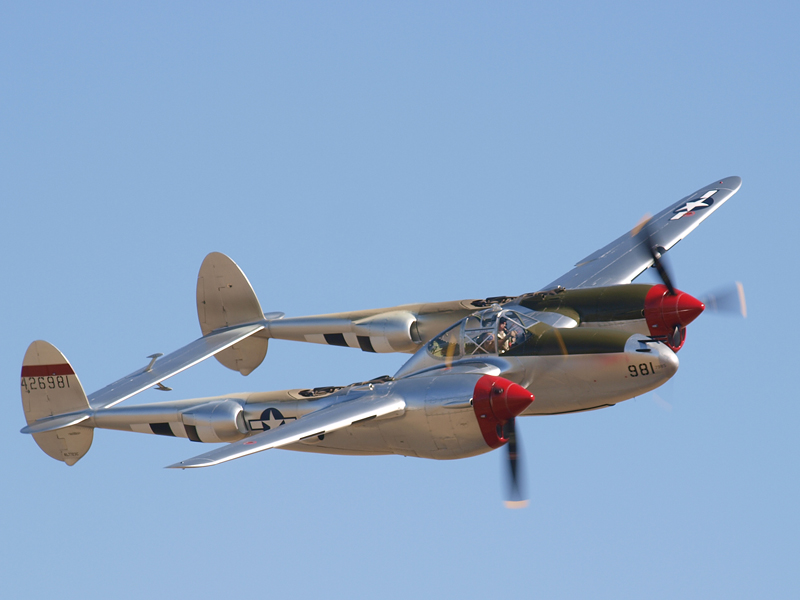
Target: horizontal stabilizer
column 53, row 423
column 171, row 364
column 325, row 420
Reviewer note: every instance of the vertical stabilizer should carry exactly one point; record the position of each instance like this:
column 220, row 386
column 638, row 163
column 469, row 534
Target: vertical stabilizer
column 50, row 388
column 225, row 298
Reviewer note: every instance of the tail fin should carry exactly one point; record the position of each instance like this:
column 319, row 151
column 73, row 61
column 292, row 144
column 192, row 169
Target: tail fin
column 225, row 298
column 50, row 388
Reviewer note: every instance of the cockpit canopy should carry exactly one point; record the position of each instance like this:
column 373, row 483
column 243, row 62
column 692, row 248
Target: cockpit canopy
column 489, row 332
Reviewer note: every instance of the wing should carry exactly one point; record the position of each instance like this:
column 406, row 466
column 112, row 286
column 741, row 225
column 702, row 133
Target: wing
column 325, row 420
column 421, row 366
column 171, row 364
column 623, row 260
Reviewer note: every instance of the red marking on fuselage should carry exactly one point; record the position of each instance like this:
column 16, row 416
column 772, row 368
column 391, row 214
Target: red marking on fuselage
column 45, row 370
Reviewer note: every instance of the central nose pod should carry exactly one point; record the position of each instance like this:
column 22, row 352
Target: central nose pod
column 496, row 401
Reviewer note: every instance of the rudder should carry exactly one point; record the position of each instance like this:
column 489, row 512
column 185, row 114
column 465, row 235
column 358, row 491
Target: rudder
column 225, row 298
column 50, row 387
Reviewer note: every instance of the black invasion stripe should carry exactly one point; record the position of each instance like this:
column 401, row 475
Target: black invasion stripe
column 365, row 343
column 335, row 339
column 191, row 431
column 162, row 429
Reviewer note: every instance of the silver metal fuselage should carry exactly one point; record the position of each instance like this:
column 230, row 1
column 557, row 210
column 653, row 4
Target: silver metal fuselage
column 438, row 421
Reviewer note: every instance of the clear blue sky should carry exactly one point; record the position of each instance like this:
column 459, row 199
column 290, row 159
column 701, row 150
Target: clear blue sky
column 351, row 155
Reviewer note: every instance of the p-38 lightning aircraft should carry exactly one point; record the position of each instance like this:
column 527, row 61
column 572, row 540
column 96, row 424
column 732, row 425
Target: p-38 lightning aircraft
column 587, row 340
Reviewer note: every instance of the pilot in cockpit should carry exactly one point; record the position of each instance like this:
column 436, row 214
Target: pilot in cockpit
column 508, row 334
column 480, row 334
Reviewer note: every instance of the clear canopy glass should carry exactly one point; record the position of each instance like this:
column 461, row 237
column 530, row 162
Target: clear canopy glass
column 489, row 332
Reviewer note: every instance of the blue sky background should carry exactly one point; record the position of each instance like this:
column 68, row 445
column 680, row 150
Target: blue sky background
column 356, row 155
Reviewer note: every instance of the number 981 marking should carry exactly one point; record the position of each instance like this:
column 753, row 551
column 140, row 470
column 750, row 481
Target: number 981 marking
column 642, row 369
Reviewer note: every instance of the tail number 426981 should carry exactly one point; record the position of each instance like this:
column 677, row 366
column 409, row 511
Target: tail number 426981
column 49, row 382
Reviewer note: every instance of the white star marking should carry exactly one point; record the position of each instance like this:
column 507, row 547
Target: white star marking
column 273, row 423
column 692, row 205
column 696, row 204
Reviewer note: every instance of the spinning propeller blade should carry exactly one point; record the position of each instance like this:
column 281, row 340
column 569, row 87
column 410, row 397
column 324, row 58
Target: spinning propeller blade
column 683, row 306
column 497, row 402
column 728, row 300
column 645, row 230
column 515, row 496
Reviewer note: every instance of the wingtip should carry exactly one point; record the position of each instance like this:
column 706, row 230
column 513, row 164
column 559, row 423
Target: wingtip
column 192, row 463
column 733, row 182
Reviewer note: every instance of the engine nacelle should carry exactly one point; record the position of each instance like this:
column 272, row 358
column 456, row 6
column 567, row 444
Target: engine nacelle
column 218, row 421
column 388, row 332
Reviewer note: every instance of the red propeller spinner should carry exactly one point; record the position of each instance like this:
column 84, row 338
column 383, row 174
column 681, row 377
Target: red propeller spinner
column 496, row 401
column 668, row 314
